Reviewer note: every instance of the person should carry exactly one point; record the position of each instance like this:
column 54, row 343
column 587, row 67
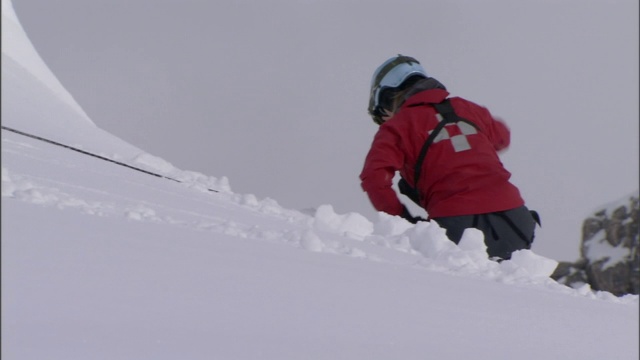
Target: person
column 446, row 151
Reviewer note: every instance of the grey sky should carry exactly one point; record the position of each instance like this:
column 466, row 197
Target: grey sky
column 274, row 95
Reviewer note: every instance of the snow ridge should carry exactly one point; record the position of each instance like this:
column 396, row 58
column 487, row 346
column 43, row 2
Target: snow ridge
column 390, row 239
column 17, row 46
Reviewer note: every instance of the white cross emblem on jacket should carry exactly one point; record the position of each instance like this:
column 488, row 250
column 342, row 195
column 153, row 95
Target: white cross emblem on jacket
column 457, row 133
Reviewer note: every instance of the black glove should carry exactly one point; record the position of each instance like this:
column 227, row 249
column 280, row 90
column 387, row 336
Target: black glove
column 410, row 218
column 407, row 190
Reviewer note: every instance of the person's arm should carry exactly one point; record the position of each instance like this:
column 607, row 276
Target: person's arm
column 382, row 162
column 501, row 134
column 493, row 127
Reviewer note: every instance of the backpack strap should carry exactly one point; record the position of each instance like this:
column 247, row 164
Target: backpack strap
column 449, row 116
column 446, row 110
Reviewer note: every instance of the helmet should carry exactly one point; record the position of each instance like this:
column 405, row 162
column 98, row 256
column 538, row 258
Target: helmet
column 391, row 74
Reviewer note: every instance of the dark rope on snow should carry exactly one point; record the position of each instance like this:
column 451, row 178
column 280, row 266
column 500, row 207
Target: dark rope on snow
column 91, row 154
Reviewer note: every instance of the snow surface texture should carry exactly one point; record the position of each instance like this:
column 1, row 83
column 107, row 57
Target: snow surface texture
column 100, row 261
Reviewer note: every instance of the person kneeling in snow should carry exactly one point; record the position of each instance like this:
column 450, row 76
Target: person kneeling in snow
column 464, row 184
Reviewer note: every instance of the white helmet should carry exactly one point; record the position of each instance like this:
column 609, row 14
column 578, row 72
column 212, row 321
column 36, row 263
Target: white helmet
column 391, row 74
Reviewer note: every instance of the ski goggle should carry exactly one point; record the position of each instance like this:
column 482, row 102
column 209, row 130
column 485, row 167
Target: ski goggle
column 385, row 102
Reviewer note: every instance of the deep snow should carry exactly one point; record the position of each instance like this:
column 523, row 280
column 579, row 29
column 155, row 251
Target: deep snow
column 100, row 261
column 284, row 84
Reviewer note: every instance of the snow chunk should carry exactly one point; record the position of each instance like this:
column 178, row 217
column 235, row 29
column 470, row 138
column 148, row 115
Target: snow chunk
column 533, row 264
column 389, row 225
column 266, row 206
column 470, row 255
column 270, row 206
column 140, row 213
column 191, row 179
column 352, row 225
column 249, row 200
column 202, row 182
column 472, row 243
column 429, row 239
column 154, row 163
column 18, row 187
column 27, row 191
column 310, row 241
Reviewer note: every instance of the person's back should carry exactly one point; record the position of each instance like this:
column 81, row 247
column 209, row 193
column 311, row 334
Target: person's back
column 462, row 173
column 462, row 182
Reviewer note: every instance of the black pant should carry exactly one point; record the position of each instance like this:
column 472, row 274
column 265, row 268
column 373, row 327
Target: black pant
column 504, row 231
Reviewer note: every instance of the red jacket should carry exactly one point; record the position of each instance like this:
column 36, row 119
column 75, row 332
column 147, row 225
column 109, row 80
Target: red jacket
column 461, row 174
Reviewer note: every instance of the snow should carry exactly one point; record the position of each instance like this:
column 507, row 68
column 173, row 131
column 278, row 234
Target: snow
column 17, row 48
column 103, row 262
column 351, row 225
column 599, row 248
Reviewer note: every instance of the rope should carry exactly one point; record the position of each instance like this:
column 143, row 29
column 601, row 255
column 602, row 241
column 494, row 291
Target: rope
column 91, row 154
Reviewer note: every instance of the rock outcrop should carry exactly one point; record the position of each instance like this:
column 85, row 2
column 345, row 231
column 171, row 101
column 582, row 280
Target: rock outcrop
column 610, row 260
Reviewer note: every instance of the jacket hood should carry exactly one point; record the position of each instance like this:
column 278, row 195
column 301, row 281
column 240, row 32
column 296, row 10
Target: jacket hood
column 425, row 91
column 424, row 84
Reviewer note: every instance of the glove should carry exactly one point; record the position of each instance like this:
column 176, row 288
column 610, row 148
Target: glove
column 410, row 218
column 407, row 190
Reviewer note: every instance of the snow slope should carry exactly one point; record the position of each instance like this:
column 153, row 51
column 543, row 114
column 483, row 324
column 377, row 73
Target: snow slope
column 100, row 261
column 20, row 55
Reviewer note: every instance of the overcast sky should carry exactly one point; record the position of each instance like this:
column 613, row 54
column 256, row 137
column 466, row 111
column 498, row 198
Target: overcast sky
column 283, row 87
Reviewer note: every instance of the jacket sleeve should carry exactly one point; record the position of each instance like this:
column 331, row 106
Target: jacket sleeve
column 494, row 128
column 500, row 134
column 382, row 162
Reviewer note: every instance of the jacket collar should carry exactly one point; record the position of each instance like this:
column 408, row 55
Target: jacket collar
column 431, row 96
